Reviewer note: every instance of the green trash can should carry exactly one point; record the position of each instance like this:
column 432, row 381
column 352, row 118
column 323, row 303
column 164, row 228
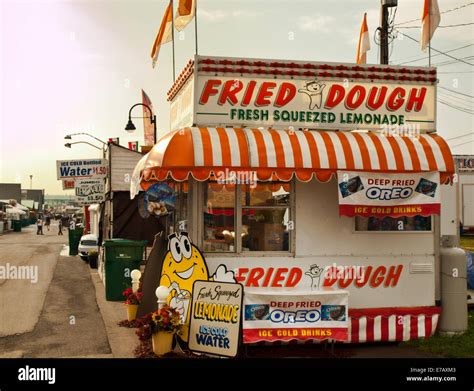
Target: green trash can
column 74, row 239
column 16, row 225
column 121, row 257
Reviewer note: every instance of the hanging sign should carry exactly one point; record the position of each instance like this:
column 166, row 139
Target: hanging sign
column 83, row 168
column 215, row 318
column 90, row 191
column 285, row 316
column 380, row 195
column 68, row 184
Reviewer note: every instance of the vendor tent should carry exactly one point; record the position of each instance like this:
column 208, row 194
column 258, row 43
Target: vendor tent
column 12, row 210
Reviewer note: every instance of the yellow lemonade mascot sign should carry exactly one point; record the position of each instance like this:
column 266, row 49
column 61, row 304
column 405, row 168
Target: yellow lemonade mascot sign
column 183, row 264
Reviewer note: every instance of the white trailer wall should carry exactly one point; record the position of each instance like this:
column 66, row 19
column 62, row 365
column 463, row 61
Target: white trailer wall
column 466, row 198
column 400, row 266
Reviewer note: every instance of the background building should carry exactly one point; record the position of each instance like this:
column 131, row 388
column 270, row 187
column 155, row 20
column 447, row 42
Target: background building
column 9, row 191
column 36, row 195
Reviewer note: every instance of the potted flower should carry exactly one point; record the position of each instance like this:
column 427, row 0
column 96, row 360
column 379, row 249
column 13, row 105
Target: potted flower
column 165, row 323
column 132, row 300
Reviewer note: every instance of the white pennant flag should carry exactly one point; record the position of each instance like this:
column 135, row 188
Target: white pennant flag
column 429, row 21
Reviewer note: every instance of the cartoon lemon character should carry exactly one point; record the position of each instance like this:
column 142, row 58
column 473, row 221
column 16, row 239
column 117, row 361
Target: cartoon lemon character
column 183, row 264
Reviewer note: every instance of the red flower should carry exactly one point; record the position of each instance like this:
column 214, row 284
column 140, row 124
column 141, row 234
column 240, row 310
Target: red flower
column 127, row 292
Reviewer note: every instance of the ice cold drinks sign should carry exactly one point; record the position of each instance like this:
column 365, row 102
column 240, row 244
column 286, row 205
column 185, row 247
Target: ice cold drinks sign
column 380, row 194
column 313, row 104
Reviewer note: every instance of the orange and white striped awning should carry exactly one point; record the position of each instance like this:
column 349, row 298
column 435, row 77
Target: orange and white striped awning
column 280, row 154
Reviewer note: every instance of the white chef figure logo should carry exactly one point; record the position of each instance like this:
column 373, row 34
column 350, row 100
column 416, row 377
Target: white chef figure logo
column 314, row 273
column 314, row 89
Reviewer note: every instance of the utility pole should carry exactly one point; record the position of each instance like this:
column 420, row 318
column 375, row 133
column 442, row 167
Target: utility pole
column 384, row 6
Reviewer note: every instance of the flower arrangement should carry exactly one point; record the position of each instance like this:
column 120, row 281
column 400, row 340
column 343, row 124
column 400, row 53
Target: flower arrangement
column 156, row 331
column 131, row 297
column 166, row 319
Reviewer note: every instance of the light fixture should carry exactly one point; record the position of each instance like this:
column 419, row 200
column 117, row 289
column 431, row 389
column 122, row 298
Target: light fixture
column 135, row 275
column 69, row 137
column 162, row 293
column 130, row 126
column 68, row 145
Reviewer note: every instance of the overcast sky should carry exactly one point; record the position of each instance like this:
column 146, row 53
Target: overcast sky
column 72, row 66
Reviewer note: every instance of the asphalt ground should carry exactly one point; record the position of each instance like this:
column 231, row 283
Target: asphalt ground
column 57, row 316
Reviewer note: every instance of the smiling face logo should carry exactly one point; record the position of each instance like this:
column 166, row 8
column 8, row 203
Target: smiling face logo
column 184, row 264
column 314, row 89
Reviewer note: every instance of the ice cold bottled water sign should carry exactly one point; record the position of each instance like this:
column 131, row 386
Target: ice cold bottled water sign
column 84, row 168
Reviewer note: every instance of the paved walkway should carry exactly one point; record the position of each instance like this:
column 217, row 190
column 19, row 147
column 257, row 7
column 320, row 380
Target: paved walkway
column 58, row 315
column 21, row 300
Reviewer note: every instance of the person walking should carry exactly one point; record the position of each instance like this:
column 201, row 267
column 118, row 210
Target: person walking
column 39, row 225
column 60, row 227
column 47, row 222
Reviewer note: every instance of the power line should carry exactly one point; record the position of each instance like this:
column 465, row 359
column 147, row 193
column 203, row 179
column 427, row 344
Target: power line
column 455, row 107
column 440, row 27
column 456, row 92
column 458, row 145
column 450, row 62
column 458, row 101
column 463, row 135
column 438, row 51
column 444, row 12
column 435, row 55
column 457, row 72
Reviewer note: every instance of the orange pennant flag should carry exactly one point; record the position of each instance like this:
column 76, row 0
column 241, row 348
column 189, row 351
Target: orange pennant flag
column 364, row 43
column 165, row 34
column 185, row 13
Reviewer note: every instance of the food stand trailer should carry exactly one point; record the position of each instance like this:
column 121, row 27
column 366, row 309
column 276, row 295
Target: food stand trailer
column 306, row 176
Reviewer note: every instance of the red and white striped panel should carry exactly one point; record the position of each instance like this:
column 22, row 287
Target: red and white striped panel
column 386, row 325
column 283, row 153
column 392, row 328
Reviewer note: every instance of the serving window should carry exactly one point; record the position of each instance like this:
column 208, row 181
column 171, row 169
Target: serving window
column 247, row 218
column 393, row 224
